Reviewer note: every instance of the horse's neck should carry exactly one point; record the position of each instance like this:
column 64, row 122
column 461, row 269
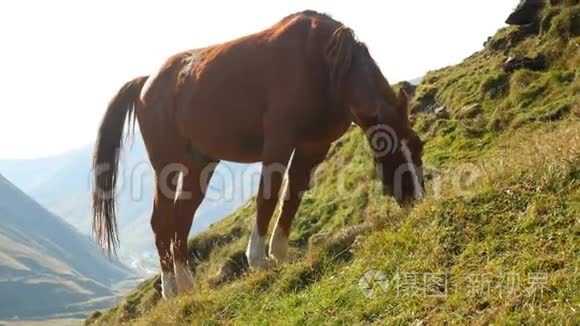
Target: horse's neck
column 364, row 117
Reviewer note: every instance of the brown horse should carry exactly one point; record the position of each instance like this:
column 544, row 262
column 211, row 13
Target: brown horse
column 280, row 96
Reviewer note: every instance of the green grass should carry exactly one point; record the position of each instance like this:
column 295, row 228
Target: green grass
column 500, row 215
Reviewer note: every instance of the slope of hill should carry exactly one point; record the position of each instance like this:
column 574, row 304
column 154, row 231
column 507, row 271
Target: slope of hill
column 495, row 240
column 62, row 185
column 46, row 266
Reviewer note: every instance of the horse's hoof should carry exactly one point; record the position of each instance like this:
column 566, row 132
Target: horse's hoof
column 183, row 277
column 256, row 262
column 256, row 252
column 279, row 246
column 168, row 285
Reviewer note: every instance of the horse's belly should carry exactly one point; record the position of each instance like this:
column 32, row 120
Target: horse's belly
column 236, row 148
column 222, row 137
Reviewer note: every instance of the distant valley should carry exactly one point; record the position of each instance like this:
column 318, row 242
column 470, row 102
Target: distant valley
column 47, row 267
column 62, row 184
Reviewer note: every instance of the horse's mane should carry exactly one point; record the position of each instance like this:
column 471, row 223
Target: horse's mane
column 339, row 55
column 307, row 13
column 342, row 47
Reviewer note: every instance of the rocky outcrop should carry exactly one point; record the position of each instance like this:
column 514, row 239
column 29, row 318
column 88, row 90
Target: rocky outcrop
column 526, row 12
column 537, row 63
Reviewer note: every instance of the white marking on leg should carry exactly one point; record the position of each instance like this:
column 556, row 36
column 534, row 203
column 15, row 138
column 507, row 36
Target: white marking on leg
column 285, row 182
column 168, row 285
column 183, row 277
column 279, row 244
column 179, row 187
column 256, row 252
column 417, row 189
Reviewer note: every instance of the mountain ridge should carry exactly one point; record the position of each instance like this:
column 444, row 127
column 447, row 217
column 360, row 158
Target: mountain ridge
column 46, row 264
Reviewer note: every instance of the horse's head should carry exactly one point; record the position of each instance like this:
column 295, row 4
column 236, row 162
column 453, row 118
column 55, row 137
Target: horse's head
column 357, row 82
column 398, row 151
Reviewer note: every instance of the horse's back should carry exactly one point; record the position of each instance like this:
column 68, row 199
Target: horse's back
column 162, row 83
column 221, row 98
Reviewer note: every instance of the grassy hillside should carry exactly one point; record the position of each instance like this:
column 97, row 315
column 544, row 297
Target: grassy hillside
column 495, row 240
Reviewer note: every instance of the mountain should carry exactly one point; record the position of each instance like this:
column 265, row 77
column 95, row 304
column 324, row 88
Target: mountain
column 62, row 184
column 46, row 266
column 416, row 81
column 494, row 240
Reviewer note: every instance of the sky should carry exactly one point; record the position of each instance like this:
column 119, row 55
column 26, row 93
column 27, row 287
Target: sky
column 62, row 61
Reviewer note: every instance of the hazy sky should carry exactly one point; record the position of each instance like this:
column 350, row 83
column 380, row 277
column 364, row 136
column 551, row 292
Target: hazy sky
column 61, row 61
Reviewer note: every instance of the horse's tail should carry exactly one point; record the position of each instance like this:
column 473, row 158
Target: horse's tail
column 106, row 162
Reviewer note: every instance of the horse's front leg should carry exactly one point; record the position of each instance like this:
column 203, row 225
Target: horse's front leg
column 303, row 164
column 275, row 157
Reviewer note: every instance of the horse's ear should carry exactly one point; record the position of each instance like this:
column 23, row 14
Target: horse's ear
column 404, row 103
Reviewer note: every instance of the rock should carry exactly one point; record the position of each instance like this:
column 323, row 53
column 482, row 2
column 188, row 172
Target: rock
column 424, row 102
column 512, row 39
column 202, row 247
column 408, row 88
column 526, row 12
column 234, row 267
column 441, row 112
column 469, row 111
column 537, row 63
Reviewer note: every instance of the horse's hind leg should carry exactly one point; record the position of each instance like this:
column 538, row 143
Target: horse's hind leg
column 162, row 223
column 195, row 179
column 301, row 167
column 168, row 165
